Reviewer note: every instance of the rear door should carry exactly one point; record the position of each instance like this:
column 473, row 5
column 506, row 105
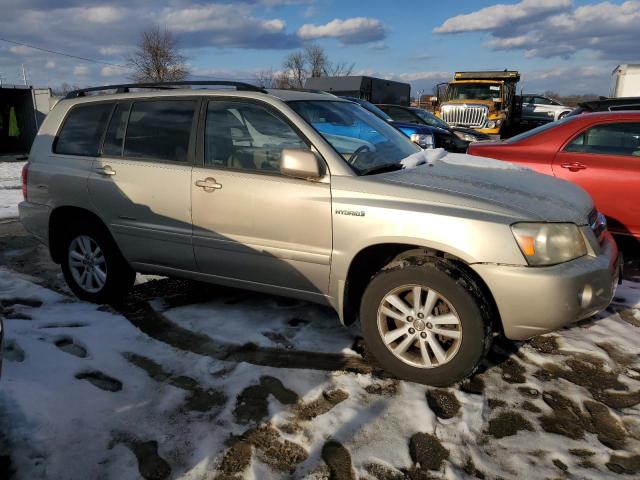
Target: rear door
column 141, row 183
column 250, row 222
column 604, row 159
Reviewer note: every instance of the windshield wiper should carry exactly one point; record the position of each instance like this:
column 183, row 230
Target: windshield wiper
column 382, row 169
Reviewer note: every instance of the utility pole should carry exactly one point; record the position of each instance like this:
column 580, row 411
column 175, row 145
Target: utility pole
column 24, row 76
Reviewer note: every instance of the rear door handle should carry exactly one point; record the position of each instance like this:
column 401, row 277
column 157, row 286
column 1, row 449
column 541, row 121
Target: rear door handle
column 573, row 166
column 209, row 184
column 107, row 171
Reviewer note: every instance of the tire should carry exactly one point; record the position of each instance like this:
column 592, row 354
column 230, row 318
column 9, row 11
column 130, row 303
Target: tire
column 457, row 296
column 562, row 115
column 116, row 275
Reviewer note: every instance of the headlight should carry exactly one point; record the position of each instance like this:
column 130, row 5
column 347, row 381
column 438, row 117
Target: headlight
column 549, row 243
column 491, row 124
column 425, row 140
column 467, row 137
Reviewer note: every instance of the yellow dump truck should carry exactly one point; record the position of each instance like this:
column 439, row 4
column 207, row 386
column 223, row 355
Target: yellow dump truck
column 484, row 101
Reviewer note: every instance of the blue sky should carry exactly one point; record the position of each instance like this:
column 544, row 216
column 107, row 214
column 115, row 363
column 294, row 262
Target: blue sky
column 562, row 45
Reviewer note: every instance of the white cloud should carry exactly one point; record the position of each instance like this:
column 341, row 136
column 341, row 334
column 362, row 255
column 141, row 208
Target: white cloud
column 111, row 51
column 20, row 50
column 81, row 71
column 100, row 15
column 113, row 71
column 556, row 29
column 499, row 15
column 349, row 31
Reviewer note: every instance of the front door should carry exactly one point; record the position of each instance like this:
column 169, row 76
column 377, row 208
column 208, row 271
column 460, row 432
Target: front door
column 605, row 160
column 141, row 185
column 251, row 223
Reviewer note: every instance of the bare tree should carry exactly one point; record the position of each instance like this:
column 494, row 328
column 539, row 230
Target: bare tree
column 265, row 78
column 157, row 58
column 316, row 60
column 295, row 67
column 338, row 69
column 310, row 62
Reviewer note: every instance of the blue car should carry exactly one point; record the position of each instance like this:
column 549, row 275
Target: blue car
column 424, row 135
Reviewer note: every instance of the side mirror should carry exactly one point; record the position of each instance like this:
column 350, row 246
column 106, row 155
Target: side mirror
column 300, row 164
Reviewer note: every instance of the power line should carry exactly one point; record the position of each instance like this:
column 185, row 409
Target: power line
column 63, row 54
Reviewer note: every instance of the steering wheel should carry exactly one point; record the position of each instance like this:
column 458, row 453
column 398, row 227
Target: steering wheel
column 358, row 151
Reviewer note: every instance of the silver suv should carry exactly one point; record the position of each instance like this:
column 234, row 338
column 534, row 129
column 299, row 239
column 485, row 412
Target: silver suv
column 310, row 196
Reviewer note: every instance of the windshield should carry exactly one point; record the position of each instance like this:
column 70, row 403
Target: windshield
column 474, row 91
column 430, row 119
column 367, row 143
column 536, row 131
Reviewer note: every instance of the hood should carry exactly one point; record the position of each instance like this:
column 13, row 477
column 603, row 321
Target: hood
column 530, row 195
column 417, row 128
column 471, row 131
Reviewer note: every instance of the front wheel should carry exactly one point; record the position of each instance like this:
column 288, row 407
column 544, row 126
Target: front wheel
column 424, row 320
column 94, row 268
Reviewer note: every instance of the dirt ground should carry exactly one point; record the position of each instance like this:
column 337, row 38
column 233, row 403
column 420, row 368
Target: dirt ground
column 607, row 412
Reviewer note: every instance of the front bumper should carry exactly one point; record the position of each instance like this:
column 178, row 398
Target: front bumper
column 536, row 300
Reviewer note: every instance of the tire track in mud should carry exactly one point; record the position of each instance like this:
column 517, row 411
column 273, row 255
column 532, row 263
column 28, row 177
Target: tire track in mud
column 138, row 310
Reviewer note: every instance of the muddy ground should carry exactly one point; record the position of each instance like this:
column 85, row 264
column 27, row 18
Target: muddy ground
column 608, row 413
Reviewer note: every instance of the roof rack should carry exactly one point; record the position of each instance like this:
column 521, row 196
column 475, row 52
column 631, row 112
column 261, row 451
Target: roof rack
column 125, row 87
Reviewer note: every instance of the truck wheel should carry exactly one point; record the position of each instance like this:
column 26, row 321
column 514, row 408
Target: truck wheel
column 93, row 266
column 426, row 321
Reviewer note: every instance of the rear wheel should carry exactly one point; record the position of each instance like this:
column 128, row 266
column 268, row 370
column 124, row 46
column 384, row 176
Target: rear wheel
column 424, row 320
column 93, row 267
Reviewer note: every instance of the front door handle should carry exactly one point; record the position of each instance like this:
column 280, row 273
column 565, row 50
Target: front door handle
column 106, row 170
column 573, row 166
column 209, row 184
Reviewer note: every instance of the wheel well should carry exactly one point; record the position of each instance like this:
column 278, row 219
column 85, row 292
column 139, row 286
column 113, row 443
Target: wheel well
column 372, row 259
column 61, row 219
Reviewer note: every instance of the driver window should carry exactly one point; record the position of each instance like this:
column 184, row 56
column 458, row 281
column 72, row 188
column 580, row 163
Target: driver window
column 611, row 139
column 247, row 136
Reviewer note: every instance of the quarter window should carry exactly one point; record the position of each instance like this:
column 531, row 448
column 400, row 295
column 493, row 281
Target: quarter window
column 247, row 136
column 611, row 139
column 160, row 130
column 114, row 138
column 82, row 130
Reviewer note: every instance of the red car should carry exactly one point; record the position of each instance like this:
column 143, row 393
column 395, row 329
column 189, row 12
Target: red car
column 598, row 151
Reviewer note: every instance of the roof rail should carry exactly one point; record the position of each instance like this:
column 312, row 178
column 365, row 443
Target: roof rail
column 125, row 87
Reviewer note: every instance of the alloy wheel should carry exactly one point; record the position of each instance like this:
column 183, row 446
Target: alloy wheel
column 87, row 264
column 419, row 326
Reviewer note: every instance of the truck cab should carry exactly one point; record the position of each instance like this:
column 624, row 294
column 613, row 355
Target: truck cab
column 483, row 101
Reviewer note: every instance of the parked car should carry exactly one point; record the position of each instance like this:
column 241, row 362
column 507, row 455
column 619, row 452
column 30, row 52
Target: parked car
column 254, row 189
column 423, row 135
column 607, row 105
column 542, row 108
column 600, row 152
column 460, row 137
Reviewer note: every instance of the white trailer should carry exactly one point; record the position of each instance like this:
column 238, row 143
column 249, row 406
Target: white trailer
column 626, row 81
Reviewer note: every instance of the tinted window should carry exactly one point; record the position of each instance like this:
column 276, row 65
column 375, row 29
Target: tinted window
column 160, row 130
column 543, row 101
column 82, row 130
column 114, row 138
column 247, row 136
column 402, row 115
column 611, row 139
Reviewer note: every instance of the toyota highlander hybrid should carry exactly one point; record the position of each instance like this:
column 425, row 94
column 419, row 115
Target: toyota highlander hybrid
column 310, row 196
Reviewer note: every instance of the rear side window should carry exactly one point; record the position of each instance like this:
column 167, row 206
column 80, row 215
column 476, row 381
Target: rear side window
column 160, row 130
column 82, row 130
column 610, row 139
column 114, row 138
